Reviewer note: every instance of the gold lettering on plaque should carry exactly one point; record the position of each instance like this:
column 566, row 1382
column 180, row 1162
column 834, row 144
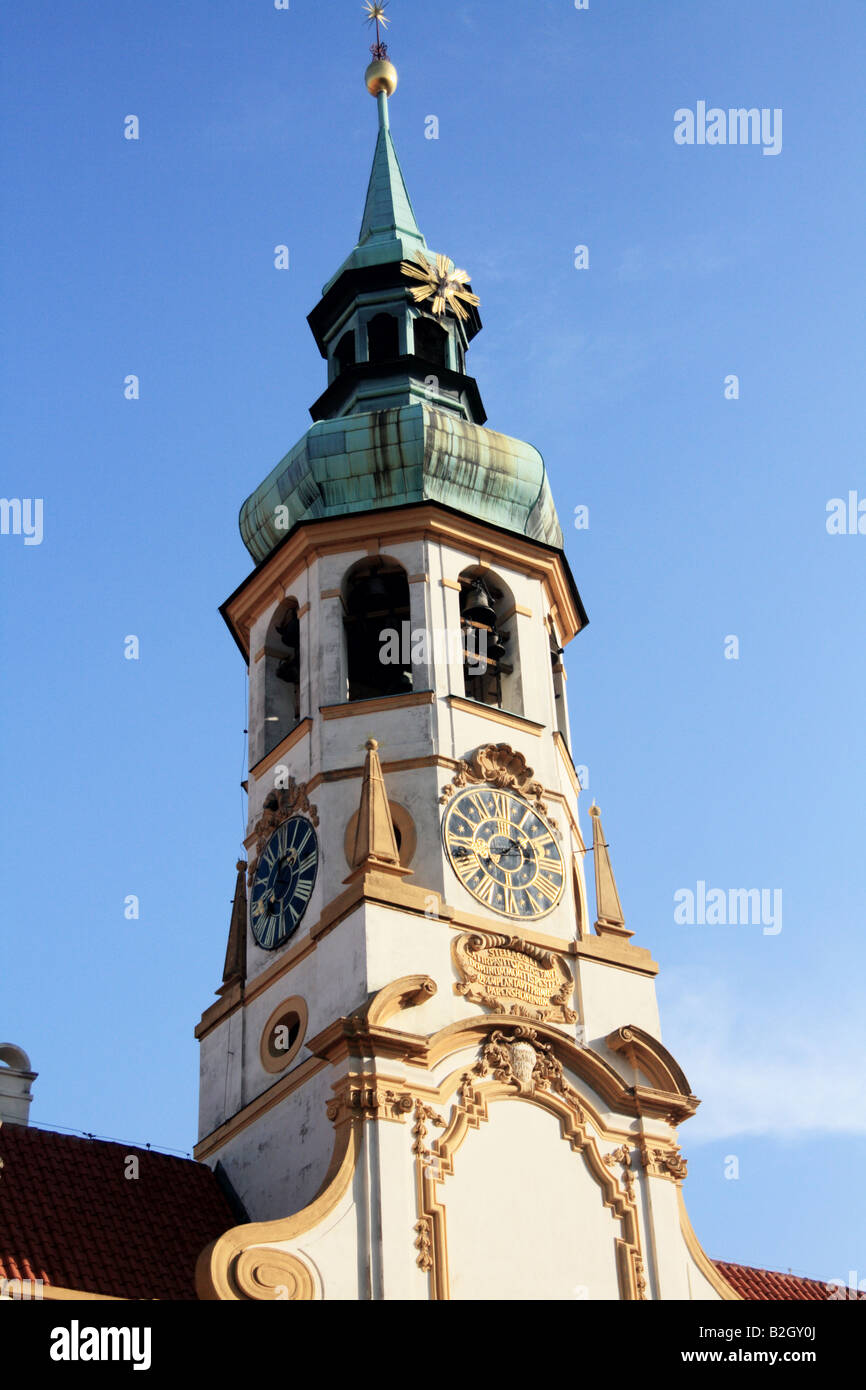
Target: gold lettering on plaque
column 511, row 976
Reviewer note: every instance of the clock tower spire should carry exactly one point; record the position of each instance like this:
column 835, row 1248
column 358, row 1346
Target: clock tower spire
column 426, row 1075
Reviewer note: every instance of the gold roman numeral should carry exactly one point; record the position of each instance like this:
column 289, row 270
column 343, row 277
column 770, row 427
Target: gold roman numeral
column 467, row 864
column 549, row 866
column 549, row 891
column 487, row 891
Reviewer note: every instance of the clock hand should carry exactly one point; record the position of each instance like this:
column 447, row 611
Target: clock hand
column 512, row 844
column 280, row 878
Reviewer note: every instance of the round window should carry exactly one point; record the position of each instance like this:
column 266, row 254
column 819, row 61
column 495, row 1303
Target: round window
column 283, row 1034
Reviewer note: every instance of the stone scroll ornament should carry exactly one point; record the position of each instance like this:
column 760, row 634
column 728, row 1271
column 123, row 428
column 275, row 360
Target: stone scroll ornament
column 500, row 766
column 511, row 976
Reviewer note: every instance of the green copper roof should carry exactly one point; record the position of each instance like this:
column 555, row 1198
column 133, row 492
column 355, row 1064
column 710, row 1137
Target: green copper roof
column 388, row 209
column 389, row 231
column 390, row 458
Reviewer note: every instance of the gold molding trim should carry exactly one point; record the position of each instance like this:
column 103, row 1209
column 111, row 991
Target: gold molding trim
column 405, row 993
column 357, row 1036
column 497, row 716
column 381, row 702
column 611, row 950
column 663, row 1160
column 362, row 1095
column 240, row 1266
column 650, row 1056
column 269, row 1274
column 632, row 1273
column 271, row 759
column 430, row 1234
column 701, row 1258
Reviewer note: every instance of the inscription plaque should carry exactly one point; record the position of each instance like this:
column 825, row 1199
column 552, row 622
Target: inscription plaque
column 511, row 976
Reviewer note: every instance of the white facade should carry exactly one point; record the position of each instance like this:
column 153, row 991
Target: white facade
column 419, row 1143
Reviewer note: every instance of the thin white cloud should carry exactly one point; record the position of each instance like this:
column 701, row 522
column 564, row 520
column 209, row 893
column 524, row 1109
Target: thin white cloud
column 777, row 1068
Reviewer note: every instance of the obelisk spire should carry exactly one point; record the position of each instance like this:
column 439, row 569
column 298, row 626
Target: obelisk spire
column 235, row 968
column 375, row 843
column 610, row 920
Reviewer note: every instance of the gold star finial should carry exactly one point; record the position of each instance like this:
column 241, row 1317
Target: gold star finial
column 381, row 75
column 376, row 15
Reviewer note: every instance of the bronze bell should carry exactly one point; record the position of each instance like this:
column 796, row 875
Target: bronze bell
column 289, row 630
column 401, row 684
column 496, row 645
column 476, row 604
column 369, row 595
column 289, row 668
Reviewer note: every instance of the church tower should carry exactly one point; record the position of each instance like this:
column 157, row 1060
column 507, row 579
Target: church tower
column 430, row 1072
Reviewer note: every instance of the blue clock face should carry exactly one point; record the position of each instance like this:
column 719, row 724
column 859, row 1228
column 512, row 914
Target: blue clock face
column 285, row 875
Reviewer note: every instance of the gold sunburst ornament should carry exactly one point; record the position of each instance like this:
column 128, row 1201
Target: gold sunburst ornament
column 376, row 14
column 446, row 287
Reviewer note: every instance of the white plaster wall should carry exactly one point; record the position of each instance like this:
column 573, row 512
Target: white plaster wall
column 611, row 998
column 401, row 1279
column 524, row 1215
column 277, row 1165
column 221, row 1073
column 699, row 1287
column 333, row 981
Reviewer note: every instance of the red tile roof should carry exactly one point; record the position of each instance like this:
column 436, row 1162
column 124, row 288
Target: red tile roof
column 767, row 1284
column 70, row 1216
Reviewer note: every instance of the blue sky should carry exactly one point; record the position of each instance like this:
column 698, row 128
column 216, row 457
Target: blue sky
column 707, row 515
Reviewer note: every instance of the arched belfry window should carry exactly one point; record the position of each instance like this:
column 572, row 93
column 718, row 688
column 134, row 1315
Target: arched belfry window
column 489, row 640
column 282, row 676
column 344, row 352
column 378, row 652
column 431, row 342
column 383, row 338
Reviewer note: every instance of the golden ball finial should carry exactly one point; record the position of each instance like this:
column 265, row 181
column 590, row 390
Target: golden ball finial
column 381, row 76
